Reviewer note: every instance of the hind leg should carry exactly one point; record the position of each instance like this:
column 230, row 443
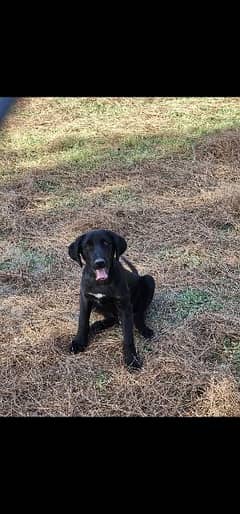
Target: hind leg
column 110, row 319
column 98, row 326
column 146, row 292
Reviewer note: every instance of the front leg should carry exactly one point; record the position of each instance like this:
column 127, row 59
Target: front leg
column 129, row 351
column 80, row 341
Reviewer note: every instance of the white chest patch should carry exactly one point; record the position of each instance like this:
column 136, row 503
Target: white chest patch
column 97, row 295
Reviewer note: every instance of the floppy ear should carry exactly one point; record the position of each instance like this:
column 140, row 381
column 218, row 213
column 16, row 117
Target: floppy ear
column 75, row 249
column 119, row 243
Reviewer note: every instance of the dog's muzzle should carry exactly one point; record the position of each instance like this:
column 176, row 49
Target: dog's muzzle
column 100, row 270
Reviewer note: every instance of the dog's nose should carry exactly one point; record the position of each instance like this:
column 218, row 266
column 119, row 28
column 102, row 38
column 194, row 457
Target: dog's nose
column 99, row 263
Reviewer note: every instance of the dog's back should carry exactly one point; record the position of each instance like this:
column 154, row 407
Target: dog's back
column 129, row 264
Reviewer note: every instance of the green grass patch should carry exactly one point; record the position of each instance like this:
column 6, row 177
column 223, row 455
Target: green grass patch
column 114, row 196
column 186, row 257
column 118, row 195
column 231, row 350
column 46, row 185
column 32, row 261
column 101, row 380
column 193, row 300
column 57, row 203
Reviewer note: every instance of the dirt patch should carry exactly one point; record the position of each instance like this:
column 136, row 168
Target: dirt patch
column 220, row 147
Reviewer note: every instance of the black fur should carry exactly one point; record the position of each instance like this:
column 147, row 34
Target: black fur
column 126, row 295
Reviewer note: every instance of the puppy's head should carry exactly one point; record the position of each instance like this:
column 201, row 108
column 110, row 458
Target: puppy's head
column 98, row 248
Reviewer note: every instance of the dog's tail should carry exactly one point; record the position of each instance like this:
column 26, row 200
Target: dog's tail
column 129, row 264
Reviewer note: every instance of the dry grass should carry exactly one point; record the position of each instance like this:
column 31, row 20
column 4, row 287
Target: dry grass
column 164, row 172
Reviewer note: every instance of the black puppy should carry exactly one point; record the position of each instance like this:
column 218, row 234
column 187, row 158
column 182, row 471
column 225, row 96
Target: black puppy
column 107, row 287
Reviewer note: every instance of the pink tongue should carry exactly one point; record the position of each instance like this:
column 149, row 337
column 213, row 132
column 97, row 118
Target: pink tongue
column 101, row 274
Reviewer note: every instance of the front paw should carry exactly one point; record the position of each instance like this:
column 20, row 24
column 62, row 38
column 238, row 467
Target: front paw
column 77, row 346
column 133, row 362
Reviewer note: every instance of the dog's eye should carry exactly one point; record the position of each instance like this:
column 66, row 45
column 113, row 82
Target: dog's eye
column 105, row 243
